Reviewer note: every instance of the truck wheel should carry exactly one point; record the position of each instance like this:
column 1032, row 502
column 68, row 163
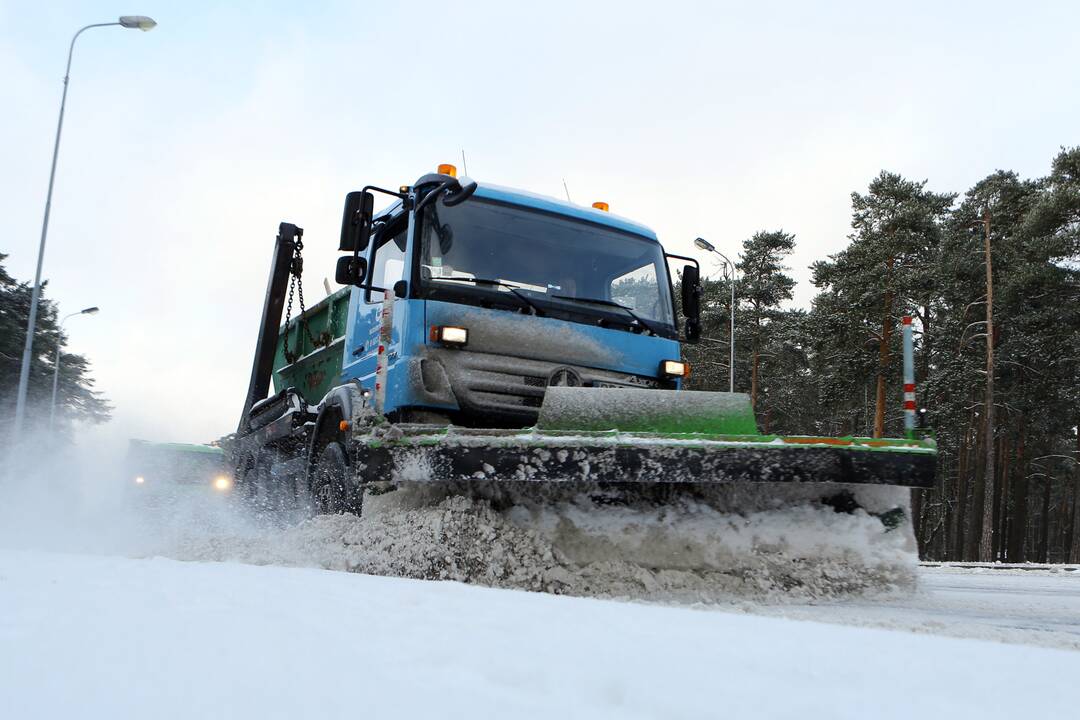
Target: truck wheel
column 332, row 484
column 266, row 494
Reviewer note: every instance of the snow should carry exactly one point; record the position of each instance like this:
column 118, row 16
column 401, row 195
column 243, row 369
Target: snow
column 839, row 632
column 687, row 548
column 578, row 408
column 1025, row 604
column 85, row 636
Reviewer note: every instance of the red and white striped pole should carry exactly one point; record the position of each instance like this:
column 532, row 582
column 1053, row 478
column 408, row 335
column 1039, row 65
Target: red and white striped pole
column 909, row 379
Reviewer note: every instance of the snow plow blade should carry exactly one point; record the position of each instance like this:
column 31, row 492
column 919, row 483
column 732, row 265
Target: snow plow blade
column 662, row 437
column 428, row 453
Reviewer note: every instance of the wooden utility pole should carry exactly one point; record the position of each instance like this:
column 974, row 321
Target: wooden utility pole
column 986, row 539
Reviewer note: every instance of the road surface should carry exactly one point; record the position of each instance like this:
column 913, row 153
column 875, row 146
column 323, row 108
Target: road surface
column 1035, row 606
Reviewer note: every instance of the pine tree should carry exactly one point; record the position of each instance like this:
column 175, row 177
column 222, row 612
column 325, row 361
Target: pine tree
column 763, row 288
column 883, row 274
column 76, row 397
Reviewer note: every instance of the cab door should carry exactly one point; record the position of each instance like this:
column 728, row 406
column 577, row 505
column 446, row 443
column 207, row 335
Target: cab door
column 387, row 263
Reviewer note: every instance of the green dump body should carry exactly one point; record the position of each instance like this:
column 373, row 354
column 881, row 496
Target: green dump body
column 317, row 368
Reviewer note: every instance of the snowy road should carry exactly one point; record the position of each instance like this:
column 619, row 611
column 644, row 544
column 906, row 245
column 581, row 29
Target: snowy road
column 1040, row 607
column 92, row 636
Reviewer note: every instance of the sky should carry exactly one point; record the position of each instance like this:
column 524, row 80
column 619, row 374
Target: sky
column 183, row 148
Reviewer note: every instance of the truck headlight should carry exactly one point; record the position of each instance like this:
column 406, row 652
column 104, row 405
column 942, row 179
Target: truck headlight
column 222, row 483
column 140, row 480
column 449, row 335
column 675, row 368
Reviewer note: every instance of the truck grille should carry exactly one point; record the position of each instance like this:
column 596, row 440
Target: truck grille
column 513, row 388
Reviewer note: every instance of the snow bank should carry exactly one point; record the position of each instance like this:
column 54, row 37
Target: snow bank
column 94, row 637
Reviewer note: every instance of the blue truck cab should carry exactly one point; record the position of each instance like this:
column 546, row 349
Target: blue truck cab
column 468, row 311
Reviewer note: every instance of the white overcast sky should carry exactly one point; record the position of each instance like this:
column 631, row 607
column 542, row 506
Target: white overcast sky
column 184, row 147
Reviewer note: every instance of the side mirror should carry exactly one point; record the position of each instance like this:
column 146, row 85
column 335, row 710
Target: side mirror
column 461, row 193
column 356, row 221
column 350, row 270
column 691, row 302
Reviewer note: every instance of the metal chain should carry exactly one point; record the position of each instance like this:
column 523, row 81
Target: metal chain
column 296, row 281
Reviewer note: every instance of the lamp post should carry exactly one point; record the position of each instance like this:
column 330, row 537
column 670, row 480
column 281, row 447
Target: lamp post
column 56, row 365
column 139, row 22
column 707, row 246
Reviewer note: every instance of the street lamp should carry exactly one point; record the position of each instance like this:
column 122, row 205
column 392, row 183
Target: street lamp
column 707, row 246
column 139, row 22
column 56, row 365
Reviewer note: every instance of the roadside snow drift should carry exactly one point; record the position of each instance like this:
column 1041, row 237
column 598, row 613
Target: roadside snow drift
column 96, row 637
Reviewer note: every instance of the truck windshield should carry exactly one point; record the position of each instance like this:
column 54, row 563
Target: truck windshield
column 545, row 256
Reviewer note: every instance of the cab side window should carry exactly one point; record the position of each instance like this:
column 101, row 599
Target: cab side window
column 388, row 259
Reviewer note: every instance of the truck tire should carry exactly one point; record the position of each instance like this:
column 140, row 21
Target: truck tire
column 266, row 492
column 333, row 488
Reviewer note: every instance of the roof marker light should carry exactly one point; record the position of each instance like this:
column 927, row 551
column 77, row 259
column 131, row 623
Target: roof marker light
column 602, row 206
column 448, row 169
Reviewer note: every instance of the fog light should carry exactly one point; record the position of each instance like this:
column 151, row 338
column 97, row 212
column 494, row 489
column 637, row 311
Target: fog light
column 675, row 368
column 449, row 335
column 222, row 483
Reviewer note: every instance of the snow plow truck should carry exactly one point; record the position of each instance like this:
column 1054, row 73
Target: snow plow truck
column 490, row 337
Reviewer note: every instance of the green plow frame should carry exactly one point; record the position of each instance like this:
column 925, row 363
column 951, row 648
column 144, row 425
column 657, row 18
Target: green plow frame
column 662, row 437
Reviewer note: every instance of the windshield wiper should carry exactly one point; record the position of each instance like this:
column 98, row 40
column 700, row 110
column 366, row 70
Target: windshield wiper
column 611, row 303
column 485, row 281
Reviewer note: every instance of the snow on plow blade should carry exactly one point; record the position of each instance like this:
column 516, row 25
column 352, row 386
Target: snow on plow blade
column 643, row 436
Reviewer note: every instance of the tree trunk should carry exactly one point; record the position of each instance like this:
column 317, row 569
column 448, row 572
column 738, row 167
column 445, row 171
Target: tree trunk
column 1068, row 513
column 1074, row 524
column 918, row 520
column 960, row 511
column 1019, row 492
column 978, row 500
column 925, row 352
column 883, row 354
column 1044, row 531
column 1001, row 502
column 754, row 377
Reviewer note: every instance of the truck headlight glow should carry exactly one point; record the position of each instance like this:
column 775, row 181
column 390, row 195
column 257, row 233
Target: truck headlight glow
column 675, row 368
column 449, row 335
column 222, row 483
column 140, row 480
